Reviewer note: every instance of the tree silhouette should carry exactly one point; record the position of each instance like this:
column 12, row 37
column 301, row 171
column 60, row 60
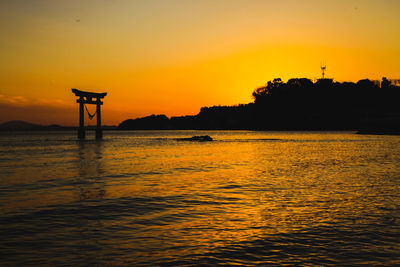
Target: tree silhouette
column 298, row 104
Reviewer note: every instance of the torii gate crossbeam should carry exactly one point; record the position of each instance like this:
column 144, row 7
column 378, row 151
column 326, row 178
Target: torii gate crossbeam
column 87, row 98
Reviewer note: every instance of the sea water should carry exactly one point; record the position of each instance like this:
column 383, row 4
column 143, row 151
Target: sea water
column 247, row 198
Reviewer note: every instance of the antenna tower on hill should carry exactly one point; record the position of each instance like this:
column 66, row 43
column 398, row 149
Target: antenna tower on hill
column 323, row 68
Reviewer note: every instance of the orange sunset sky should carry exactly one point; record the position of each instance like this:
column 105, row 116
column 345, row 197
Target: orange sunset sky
column 174, row 56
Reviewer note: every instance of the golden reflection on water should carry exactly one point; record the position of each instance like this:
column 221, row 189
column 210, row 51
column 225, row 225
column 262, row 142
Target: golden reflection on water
column 198, row 196
column 248, row 189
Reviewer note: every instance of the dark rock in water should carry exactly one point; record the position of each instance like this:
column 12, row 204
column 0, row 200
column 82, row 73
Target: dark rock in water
column 379, row 132
column 384, row 126
column 197, row 138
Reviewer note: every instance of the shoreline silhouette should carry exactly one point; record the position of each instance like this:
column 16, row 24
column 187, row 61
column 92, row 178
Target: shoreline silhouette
column 368, row 107
column 299, row 104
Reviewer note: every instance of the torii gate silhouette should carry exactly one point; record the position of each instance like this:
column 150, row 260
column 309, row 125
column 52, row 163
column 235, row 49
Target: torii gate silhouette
column 87, row 98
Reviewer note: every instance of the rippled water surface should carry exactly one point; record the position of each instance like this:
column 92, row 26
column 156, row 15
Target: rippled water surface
column 248, row 198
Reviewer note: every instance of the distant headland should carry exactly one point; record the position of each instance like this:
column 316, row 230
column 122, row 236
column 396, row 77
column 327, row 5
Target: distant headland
column 299, row 104
column 370, row 107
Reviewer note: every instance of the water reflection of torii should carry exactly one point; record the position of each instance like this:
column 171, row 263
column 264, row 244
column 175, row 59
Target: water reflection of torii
column 87, row 98
column 90, row 170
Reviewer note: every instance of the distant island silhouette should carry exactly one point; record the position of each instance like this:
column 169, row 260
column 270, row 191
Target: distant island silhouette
column 369, row 107
column 18, row 126
column 27, row 126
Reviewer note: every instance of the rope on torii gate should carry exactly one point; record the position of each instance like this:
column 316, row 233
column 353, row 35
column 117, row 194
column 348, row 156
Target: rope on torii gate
column 90, row 115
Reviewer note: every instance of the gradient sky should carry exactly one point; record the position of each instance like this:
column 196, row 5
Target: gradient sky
column 173, row 57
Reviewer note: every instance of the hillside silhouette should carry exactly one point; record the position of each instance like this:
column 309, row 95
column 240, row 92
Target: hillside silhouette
column 298, row 104
column 27, row 126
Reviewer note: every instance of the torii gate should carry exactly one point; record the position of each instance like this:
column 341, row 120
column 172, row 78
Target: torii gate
column 87, row 98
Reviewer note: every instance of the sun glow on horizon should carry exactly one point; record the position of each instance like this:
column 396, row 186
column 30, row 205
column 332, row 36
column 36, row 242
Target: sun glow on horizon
column 173, row 57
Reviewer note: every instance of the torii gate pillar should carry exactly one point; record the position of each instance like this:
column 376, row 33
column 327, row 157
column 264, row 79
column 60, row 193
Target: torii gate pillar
column 87, row 98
